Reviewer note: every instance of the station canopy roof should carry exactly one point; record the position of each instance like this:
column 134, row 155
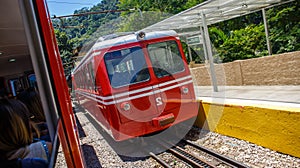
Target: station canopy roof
column 214, row 11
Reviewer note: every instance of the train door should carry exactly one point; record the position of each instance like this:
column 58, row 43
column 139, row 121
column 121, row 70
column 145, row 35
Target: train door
column 171, row 71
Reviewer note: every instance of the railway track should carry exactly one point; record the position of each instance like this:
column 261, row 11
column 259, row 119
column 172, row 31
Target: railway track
column 181, row 151
column 194, row 160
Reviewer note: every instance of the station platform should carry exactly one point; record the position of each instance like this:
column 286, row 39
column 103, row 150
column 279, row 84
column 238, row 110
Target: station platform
column 268, row 116
column 287, row 94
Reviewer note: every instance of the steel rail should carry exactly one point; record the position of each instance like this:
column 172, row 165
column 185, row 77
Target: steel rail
column 159, row 160
column 189, row 158
column 225, row 159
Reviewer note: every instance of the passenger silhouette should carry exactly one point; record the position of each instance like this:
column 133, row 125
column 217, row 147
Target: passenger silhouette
column 31, row 99
column 16, row 138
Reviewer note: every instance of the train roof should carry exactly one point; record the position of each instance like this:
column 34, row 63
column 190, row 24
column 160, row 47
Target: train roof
column 131, row 38
column 121, row 39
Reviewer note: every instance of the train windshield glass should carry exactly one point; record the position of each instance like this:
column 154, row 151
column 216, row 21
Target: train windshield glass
column 127, row 66
column 166, row 59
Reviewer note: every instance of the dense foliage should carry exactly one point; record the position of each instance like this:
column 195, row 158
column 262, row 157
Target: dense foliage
column 285, row 27
column 239, row 38
column 244, row 37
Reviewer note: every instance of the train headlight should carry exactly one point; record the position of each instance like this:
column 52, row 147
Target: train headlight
column 125, row 106
column 185, row 90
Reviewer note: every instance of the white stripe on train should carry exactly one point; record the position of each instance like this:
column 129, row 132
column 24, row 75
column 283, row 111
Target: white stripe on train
column 94, row 97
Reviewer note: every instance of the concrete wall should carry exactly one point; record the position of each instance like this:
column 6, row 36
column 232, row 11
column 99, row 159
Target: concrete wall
column 270, row 126
column 276, row 128
column 282, row 69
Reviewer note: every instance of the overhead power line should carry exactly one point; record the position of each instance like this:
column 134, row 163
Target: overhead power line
column 88, row 13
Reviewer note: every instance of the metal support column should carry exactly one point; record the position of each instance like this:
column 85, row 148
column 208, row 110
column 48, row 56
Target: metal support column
column 267, row 31
column 189, row 50
column 209, row 53
column 204, row 44
column 190, row 53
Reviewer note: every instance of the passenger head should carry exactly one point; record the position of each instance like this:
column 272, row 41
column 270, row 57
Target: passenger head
column 32, row 100
column 15, row 126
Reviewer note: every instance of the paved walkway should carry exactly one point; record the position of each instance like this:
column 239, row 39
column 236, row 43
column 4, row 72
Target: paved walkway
column 288, row 96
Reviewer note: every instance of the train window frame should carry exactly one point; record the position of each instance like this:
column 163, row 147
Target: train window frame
column 32, row 83
column 41, row 68
column 40, row 50
column 92, row 76
column 118, row 63
column 14, row 87
column 161, row 69
column 87, row 77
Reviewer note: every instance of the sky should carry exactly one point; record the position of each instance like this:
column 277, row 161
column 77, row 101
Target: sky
column 67, row 7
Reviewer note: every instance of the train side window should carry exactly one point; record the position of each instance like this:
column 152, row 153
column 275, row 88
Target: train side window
column 88, row 77
column 165, row 58
column 92, row 76
column 32, row 81
column 15, row 86
column 127, row 66
column 81, row 78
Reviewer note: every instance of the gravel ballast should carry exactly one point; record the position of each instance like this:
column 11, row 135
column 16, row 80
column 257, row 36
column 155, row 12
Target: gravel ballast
column 99, row 153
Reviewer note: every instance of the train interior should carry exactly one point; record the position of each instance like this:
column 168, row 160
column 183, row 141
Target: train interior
column 16, row 68
column 20, row 68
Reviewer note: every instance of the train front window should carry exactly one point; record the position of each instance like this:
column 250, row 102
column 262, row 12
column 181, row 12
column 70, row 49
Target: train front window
column 166, row 58
column 127, row 66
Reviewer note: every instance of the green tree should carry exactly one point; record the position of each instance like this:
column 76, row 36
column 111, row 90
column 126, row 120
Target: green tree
column 243, row 44
column 246, row 38
column 191, row 3
column 72, row 32
column 284, row 26
column 165, row 6
column 65, row 47
column 238, row 38
column 138, row 21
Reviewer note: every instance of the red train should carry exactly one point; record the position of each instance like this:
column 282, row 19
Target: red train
column 136, row 84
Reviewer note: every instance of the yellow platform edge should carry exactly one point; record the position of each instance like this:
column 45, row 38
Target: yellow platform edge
column 271, row 127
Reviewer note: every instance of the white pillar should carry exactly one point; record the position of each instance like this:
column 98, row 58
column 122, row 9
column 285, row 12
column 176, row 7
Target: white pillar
column 190, row 52
column 267, row 31
column 209, row 53
column 204, row 44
